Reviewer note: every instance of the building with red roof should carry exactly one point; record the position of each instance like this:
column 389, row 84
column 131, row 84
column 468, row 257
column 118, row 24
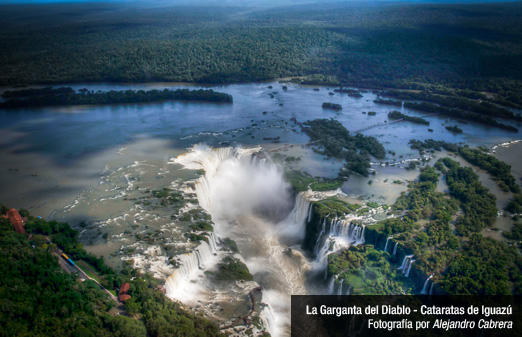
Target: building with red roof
column 16, row 220
column 123, row 294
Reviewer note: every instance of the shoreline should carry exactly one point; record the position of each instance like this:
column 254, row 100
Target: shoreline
column 173, row 83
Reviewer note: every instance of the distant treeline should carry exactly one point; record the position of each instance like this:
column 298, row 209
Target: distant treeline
column 451, row 112
column 414, row 46
column 67, row 96
column 480, row 107
column 37, row 92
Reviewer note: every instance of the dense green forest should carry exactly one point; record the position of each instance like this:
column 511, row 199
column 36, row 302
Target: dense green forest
column 478, row 204
column 452, row 112
column 463, row 261
column 411, row 46
column 365, row 270
column 498, row 170
column 480, row 104
column 64, row 96
column 38, row 299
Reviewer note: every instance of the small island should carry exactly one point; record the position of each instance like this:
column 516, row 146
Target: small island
column 398, row 115
column 454, row 129
column 350, row 92
column 332, row 106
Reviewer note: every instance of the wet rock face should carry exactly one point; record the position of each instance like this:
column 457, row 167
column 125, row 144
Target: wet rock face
column 312, row 230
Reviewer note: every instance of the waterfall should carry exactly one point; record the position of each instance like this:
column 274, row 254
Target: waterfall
column 361, row 238
column 323, row 228
column 348, row 290
column 342, row 233
column 295, row 223
column 268, row 319
column 425, row 288
column 408, row 268
column 331, row 285
column 340, row 289
column 178, row 284
column 325, row 273
column 395, row 249
column 386, row 245
column 237, row 182
column 250, row 202
column 328, row 247
column 405, row 262
column 204, row 254
column 302, row 210
column 431, row 288
column 213, row 243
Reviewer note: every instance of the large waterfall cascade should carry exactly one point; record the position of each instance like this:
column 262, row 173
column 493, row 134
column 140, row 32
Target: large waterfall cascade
column 181, row 284
column 250, row 202
column 342, row 233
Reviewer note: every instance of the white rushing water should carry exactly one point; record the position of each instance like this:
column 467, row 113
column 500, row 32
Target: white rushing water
column 342, row 234
column 386, row 245
column 182, row 284
column 406, row 265
column 425, row 288
column 250, row 202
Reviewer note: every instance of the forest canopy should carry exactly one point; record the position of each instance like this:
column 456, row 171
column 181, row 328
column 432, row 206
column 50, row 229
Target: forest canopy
column 416, row 46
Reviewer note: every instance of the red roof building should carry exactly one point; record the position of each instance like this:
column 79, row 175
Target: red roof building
column 16, row 220
column 123, row 296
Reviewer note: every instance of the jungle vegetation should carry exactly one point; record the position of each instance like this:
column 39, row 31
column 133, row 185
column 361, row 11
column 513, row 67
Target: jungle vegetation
column 230, row 268
column 464, row 262
column 478, row 204
column 365, row 270
column 38, row 299
column 468, row 49
column 497, row 169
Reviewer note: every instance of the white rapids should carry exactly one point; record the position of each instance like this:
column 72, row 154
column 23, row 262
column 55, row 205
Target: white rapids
column 247, row 198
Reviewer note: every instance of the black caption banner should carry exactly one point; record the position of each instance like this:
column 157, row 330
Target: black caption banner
column 441, row 316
